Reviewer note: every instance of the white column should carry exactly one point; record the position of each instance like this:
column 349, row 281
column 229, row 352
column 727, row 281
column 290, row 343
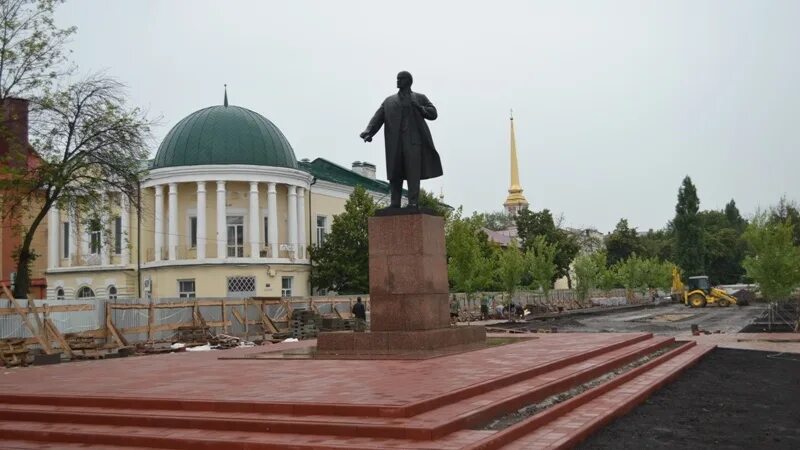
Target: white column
column 105, row 226
column 301, row 221
column 54, row 225
column 172, row 237
column 125, row 219
column 159, row 222
column 201, row 220
column 254, row 228
column 272, row 219
column 222, row 231
column 292, row 207
column 73, row 238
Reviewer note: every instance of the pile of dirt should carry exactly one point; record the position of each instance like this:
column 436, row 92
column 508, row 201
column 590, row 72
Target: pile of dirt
column 730, row 399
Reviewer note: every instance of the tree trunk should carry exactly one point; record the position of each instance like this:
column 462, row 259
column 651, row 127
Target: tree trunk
column 23, row 280
column 25, row 256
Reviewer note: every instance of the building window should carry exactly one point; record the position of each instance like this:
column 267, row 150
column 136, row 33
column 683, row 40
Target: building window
column 286, row 286
column 94, row 236
column 186, row 289
column 266, row 230
column 118, row 235
column 65, row 239
column 193, row 232
column 112, row 292
column 235, row 236
column 241, row 286
column 85, row 292
column 322, row 222
column 60, row 293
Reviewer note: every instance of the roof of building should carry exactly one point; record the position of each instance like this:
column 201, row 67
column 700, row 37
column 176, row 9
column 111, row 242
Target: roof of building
column 225, row 134
column 326, row 170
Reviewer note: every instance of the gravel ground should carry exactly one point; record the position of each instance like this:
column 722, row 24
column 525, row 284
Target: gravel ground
column 732, row 399
column 668, row 320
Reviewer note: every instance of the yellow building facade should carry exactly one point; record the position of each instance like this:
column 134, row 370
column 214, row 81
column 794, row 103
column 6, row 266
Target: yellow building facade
column 226, row 210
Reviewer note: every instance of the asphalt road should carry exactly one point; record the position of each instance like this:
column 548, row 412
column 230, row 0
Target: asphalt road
column 668, row 320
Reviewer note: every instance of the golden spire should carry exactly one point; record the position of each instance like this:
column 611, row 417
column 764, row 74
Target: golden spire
column 515, row 200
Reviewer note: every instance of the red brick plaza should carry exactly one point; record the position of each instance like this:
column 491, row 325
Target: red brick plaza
column 198, row 401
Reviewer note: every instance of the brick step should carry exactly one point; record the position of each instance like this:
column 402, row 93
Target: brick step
column 60, row 435
column 568, row 423
column 429, row 425
column 332, row 409
column 35, row 445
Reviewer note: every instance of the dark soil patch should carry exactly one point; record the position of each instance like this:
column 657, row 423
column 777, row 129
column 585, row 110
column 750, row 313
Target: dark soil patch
column 537, row 324
column 732, row 399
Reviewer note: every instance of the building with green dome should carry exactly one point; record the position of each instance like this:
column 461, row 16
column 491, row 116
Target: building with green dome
column 227, row 210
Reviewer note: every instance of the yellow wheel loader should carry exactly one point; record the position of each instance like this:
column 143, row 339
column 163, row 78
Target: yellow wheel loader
column 698, row 293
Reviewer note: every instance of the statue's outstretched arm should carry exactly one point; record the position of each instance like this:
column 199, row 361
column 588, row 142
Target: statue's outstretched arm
column 375, row 123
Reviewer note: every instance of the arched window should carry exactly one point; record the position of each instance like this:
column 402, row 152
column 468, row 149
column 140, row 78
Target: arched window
column 60, row 293
column 85, row 292
column 112, row 292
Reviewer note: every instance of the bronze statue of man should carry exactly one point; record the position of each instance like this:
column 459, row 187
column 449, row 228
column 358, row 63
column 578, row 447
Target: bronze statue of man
column 410, row 154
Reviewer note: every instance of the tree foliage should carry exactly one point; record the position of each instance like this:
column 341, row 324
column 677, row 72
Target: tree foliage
column 341, row 262
column 532, row 224
column 540, row 260
column 430, row 201
column 510, row 267
column 498, row 220
column 31, row 47
column 689, row 252
column 775, row 262
column 90, row 143
column 787, row 211
column 622, row 243
column 468, row 268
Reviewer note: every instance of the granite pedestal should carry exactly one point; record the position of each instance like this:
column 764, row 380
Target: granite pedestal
column 409, row 301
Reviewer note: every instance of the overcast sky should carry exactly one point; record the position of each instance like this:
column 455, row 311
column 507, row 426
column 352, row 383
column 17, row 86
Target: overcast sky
column 614, row 102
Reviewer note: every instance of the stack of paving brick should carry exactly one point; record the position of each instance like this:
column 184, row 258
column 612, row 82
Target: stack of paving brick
column 303, row 324
column 336, row 324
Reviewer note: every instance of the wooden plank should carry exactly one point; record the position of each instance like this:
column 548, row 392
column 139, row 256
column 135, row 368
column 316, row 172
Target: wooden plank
column 113, row 332
column 246, row 329
column 151, row 320
column 224, row 317
column 42, row 341
column 267, row 322
column 51, row 308
column 166, row 327
column 238, row 316
column 59, row 338
column 179, row 304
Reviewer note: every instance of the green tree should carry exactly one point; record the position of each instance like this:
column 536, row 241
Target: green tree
column 510, row 267
column 775, row 262
column 735, row 219
column 532, row 224
column 341, row 263
column 31, row 47
column 724, row 247
column 689, row 252
column 587, row 274
column 787, row 211
column 430, row 201
column 622, row 243
column 657, row 244
column 498, row 220
column 90, row 143
column 630, row 273
column 467, row 266
column 540, row 260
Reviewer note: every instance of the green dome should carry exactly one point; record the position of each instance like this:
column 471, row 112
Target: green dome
column 225, row 135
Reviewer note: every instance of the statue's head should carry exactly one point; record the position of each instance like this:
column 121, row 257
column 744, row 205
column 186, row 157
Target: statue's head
column 404, row 80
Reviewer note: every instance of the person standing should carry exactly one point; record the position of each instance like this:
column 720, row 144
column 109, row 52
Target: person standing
column 360, row 314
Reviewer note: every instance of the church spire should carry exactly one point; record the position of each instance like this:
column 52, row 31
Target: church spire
column 226, row 95
column 515, row 200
